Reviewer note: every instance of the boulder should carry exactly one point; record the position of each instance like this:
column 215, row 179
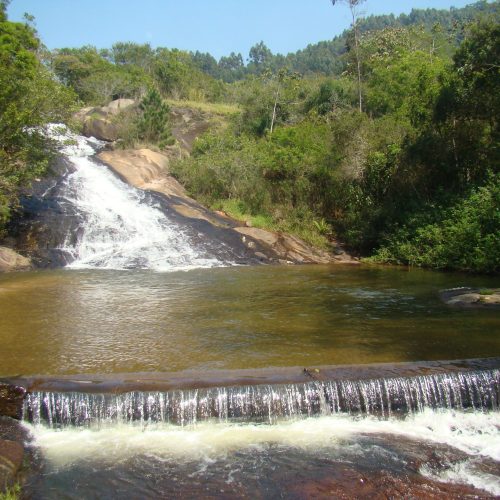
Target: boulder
column 98, row 122
column 80, row 115
column 12, row 261
column 118, row 105
column 11, row 400
column 100, row 128
column 465, row 297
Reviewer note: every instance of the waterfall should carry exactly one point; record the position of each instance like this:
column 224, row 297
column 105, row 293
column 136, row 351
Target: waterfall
column 385, row 397
column 121, row 227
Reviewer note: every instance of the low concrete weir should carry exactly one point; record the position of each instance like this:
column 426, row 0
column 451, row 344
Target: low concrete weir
column 267, row 403
column 261, row 395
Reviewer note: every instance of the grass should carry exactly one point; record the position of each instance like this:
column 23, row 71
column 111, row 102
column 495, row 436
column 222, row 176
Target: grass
column 216, row 108
column 13, row 493
column 236, row 210
column 313, row 234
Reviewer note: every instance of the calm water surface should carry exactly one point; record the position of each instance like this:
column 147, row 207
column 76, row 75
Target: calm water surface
column 67, row 321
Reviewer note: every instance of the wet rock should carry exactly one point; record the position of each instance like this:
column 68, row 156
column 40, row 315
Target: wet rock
column 10, row 260
column 11, row 460
column 348, row 484
column 11, row 400
column 471, row 298
column 148, row 170
column 20, row 461
column 44, row 220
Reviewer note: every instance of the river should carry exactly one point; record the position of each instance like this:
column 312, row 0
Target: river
column 105, row 321
column 142, row 295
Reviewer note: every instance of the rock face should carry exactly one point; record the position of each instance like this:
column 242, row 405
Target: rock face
column 148, row 170
column 471, row 298
column 12, row 261
column 45, row 219
column 292, row 249
column 100, row 122
column 187, row 125
column 144, row 169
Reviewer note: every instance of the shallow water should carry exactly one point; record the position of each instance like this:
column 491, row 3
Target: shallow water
column 98, row 321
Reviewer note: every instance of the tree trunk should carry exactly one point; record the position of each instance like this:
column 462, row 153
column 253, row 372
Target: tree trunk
column 358, row 62
column 274, row 108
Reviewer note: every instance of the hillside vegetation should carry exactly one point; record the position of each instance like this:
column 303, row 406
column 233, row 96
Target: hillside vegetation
column 399, row 159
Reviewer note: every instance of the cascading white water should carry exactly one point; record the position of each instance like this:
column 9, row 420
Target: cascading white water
column 122, row 228
column 326, row 419
column 269, row 403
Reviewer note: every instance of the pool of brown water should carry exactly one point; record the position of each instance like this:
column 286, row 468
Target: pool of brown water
column 97, row 321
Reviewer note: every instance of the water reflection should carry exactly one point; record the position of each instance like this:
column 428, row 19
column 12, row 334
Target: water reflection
column 114, row 321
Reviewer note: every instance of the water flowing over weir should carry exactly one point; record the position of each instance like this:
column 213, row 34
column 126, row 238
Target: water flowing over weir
column 384, row 398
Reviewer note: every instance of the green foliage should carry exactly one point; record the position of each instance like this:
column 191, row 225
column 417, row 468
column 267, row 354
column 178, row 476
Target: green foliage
column 153, row 125
column 13, row 493
column 95, row 79
column 401, row 77
column 330, row 97
column 178, row 77
column 412, row 179
column 462, row 236
column 29, row 98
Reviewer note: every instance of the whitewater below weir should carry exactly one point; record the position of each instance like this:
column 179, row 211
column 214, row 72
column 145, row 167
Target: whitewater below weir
column 231, row 451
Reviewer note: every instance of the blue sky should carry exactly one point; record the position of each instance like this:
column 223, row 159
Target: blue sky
column 215, row 26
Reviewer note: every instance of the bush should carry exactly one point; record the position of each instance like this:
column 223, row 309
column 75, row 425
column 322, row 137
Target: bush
column 463, row 236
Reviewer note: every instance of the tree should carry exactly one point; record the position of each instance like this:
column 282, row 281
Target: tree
column 355, row 14
column 154, row 124
column 29, row 98
column 130, row 53
column 282, row 77
column 260, row 57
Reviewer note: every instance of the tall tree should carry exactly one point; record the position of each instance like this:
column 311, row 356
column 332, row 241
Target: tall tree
column 29, row 98
column 260, row 57
column 355, row 14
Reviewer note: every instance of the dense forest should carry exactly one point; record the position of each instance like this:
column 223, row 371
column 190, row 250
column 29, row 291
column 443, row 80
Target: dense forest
column 385, row 137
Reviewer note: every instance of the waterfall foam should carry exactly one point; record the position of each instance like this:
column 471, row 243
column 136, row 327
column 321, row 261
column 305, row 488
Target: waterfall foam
column 341, row 421
column 122, row 227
